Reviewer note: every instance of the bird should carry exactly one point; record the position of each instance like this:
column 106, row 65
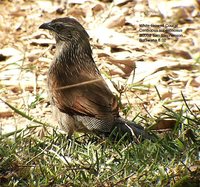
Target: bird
column 80, row 98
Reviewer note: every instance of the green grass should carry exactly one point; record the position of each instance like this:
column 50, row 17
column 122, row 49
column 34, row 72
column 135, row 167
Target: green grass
column 52, row 159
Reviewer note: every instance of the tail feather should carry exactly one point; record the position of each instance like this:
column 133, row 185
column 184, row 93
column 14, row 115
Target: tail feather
column 132, row 129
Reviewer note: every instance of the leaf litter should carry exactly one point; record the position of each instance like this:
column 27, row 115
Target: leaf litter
column 172, row 67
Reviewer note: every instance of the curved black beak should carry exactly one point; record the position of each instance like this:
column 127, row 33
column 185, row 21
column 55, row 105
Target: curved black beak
column 46, row 26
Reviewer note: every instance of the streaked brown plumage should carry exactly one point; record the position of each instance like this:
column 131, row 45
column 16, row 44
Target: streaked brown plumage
column 87, row 107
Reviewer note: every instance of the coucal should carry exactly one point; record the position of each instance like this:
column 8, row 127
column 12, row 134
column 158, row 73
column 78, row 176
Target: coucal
column 80, row 97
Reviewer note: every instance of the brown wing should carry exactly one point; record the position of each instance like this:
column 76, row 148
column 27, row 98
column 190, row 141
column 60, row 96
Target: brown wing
column 92, row 99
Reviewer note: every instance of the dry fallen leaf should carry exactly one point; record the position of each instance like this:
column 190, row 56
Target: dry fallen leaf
column 6, row 114
column 42, row 42
column 110, row 37
column 10, row 51
column 164, row 124
column 97, row 8
column 115, row 21
column 176, row 53
column 126, row 66
column 178, row 11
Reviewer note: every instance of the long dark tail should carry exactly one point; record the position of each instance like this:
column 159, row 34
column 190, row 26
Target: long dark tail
column 133, row 130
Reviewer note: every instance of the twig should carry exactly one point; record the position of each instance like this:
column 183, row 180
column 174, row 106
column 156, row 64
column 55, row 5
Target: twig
column 78, row 84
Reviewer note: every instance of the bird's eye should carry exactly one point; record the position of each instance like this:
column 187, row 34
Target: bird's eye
column 58, row 27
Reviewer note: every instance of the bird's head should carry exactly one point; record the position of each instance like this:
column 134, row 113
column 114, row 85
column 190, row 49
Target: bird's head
column 69, row 31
